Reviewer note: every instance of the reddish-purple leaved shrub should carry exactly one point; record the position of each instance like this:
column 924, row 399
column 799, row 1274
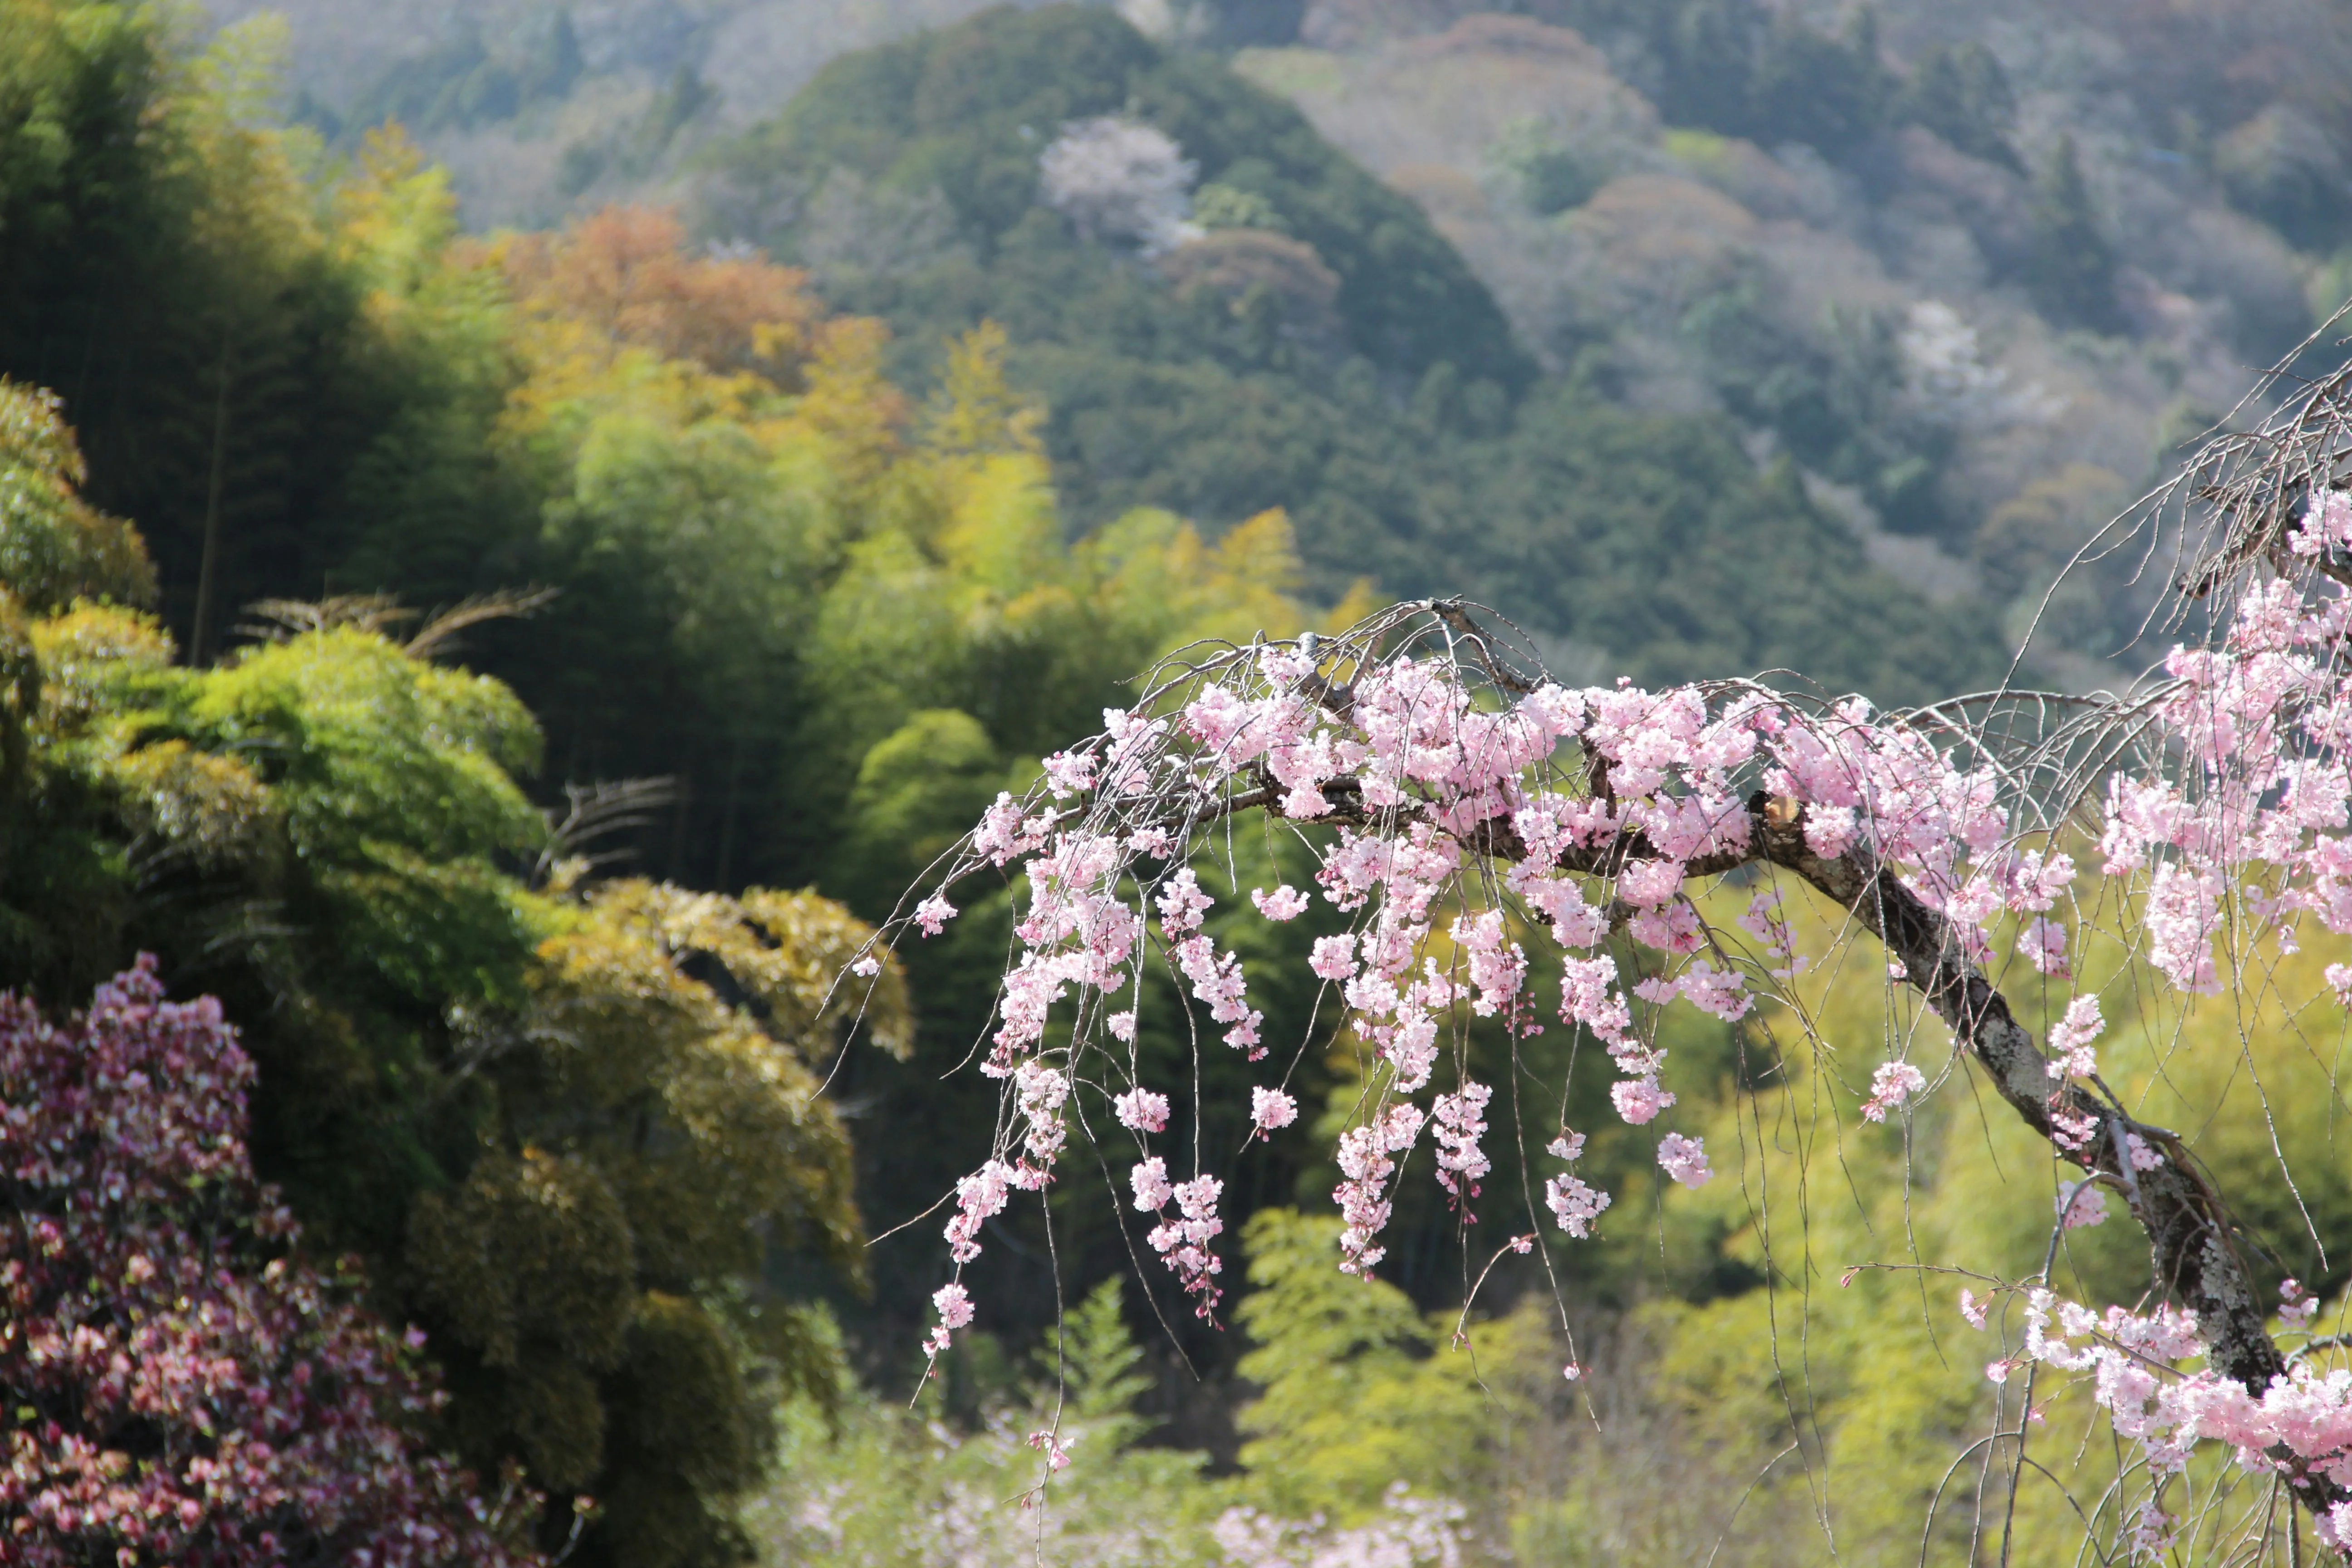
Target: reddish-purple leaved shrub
column 175, row 1385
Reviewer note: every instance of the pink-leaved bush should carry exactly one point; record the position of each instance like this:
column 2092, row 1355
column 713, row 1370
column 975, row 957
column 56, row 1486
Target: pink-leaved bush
column 176, row 1384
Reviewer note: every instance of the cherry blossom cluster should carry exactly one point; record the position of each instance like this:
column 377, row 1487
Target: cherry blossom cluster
column 1573, row 1203
column 1423, row 778
column 2130, row 1364
column 1368, row 1158
column 1890, row 1087
column 1183, row 1243
column 183, row 1387
column 2258, row 802
column 1458, row 1121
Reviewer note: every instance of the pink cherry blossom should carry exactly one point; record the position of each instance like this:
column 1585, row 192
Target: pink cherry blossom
column 1720, row 991
column 1142, row 1109
column 1891, row 1086
column 1459, row 1122
column 1070, row 774
column 1334, row 957
column 1573, row 1204
column 1285, row 903
column 955, row 1310
column 1150, row 1181
column 1639, row 1099
column 2080, row 1205
column 2296, row 1305
column 2071, row 1036
column 2043, row 944
column 1271, row 1108
column 1683, row 1159
column 1366, row 1163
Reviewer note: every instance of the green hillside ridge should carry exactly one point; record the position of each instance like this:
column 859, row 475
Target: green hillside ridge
column 1971, row 267
column 1406, row 437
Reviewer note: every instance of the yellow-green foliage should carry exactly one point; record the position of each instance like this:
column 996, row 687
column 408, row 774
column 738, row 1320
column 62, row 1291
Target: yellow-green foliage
column 55, row 546
column 670, row 1141
column 1357, row 1389
column 749, row 1155
column 394, row 778
column 967, row 590
column 882, row 1486
column 963, row 635
column 1855, row 1349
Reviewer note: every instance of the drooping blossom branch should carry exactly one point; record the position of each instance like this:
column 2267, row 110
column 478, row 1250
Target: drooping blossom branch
column 1464, row 802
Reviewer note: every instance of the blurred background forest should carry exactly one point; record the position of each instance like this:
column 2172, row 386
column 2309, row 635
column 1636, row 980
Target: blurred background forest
column 878, row 388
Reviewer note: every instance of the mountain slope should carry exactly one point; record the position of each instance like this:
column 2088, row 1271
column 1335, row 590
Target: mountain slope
column 1293, row 333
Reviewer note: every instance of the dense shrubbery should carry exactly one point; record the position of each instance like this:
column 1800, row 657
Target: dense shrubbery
column 180, row 1388
column 571, row 1128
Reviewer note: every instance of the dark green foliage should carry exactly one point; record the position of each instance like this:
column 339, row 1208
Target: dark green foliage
column 2073, row 268
column 1836, row 399
column 1633, row 533
column 2283, row 167
column 1742, row 68
column 1557, row 180
column 1963, row 96
column 671, row 1448
column 159, row 271
column 633, row 150
column 463, row 82
column 967, row 110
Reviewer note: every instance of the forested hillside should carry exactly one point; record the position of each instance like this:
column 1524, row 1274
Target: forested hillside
column 1978, row 272
column 1299, row 336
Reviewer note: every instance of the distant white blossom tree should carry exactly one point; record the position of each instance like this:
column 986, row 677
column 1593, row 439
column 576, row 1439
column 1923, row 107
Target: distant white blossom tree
column 1120, row 181
column 1947, row 376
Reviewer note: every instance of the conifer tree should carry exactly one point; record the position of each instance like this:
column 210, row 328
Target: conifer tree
column 1963, row 96
column 2073, row 268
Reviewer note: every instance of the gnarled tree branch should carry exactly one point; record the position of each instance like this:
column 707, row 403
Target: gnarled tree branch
column 2192, row 1235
